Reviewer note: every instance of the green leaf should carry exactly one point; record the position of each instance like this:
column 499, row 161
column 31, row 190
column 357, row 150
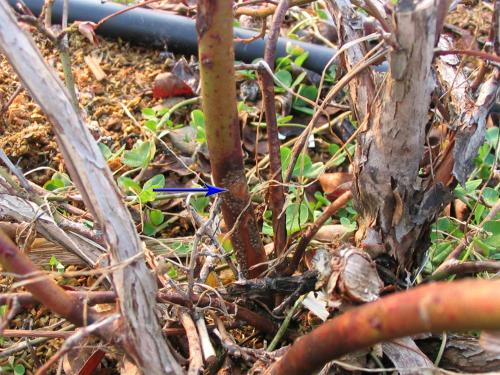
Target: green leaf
column 181, row 248
column 333, row 148
column 155, row 182
column 147, row 195
column 308, row 91
column 285, row 154
column 281, row 120
column 321, row 199
column 303, row 165
column 62, row 177
column 299, row 79
column 314, row 170
column 283, row 62
column 493, row 229
column 53, row 261
column 19, row 369
column 172, row 272
column 105, row 151
column 484, row 246
column 472, row 185
column 490, row 196
column 296, row 217
column 285, row 77
column 267, row 229
column 156, row 217
column 140, row 155
column 441, row 251
column 127, row 184
column 52, row 185
column 198, row 122
column 492, row 135
column 478, row 213
column 148, row 113
column 58, row 181
column 151, row 125
column 301, row 58
column 148, row 229
column 349, row 225
column 445, row 224
column 200, row 204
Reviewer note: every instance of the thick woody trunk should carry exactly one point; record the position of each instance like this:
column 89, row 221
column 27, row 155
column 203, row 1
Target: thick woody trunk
column 218, row 88
column 387, row 189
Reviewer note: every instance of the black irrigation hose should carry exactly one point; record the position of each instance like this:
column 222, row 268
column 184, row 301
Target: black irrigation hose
column 161, row 29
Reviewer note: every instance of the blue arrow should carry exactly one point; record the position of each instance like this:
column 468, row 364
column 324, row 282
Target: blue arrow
column 208, row 189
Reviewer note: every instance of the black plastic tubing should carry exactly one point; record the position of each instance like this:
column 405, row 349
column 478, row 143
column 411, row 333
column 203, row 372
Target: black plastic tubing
column 176, row 33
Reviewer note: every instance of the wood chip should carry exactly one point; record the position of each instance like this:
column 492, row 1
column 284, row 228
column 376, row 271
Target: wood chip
column 95, row 68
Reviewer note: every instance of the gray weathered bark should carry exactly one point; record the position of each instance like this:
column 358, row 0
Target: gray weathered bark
column 387, row 190
column 134, row 284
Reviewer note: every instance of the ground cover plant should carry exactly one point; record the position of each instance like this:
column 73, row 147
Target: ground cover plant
column 357, row 228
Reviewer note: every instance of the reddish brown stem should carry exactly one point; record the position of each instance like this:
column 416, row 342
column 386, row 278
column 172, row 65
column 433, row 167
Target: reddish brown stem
column 458, row 306
column 121, row 11
column 43, row 288
column 313, row 229
column 218, row 88
column 276, row 190
column 373, row 10
column 468, row 52
column 91, row 298
column 258, row 321
column 96, row 297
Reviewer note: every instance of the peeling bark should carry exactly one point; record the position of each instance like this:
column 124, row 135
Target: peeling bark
column 468, row 117
column 387, row 190
column 218, row 87
column 462, row 354
column 350, row 27
column 470, row 135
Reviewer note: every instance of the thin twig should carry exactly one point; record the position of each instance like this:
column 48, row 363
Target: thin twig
column 206, row 344
column 195, row 355
column 276, row 190
column 121, row 11
column 455, row 267
column 76, row 338
column 284, row 325
column 7, row 104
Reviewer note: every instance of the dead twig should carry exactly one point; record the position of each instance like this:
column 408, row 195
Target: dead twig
column 195, row 355
column 206, row 345
column 7, row 104
column 72, row 341
column 265, row 10
column 455, row 267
